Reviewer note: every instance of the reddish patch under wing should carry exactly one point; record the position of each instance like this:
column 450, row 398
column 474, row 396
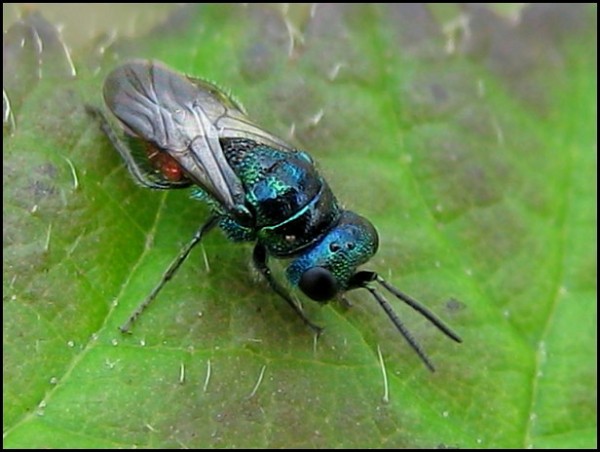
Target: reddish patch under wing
column 164, row 163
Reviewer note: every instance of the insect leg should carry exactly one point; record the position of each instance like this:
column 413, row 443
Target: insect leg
column 206, row 227
column 259, row 257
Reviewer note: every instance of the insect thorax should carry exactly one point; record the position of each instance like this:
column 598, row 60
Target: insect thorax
column 292, row 205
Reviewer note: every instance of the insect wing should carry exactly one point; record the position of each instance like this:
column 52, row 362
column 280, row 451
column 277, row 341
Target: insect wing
column 230, row 118
column 162, row 107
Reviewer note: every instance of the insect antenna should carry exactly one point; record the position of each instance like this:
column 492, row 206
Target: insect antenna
column 420, row 309
column 400, row 327
column 363, row 279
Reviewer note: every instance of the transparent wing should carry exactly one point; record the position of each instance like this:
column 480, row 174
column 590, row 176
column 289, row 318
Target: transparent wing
column 160, row 106
column 230, row 118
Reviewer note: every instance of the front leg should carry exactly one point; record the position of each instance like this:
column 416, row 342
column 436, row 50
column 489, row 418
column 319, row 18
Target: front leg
column 259, row 257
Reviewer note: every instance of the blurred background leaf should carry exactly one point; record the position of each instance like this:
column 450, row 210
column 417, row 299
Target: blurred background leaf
column 467, row 134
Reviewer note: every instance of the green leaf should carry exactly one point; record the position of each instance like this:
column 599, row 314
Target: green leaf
column 468, row 138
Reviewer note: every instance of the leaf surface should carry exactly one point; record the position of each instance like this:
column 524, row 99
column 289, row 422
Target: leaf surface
column 467, row 137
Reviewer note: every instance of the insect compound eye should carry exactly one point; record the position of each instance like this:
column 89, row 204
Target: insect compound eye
column 318, row 284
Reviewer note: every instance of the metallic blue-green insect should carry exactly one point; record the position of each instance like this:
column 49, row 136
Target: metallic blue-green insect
column 182, row 132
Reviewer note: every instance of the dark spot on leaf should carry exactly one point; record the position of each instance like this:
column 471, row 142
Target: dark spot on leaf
column 256, row 62
column 179, row 19
column 430, row 96
column 416, row 29
column 267, row 44
column 455, row 305
column 339, row 60
column 32, row 50
column 44, row 187
column 462, row 174
column 440, row 94
column 519, row 51
column 552, row 22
